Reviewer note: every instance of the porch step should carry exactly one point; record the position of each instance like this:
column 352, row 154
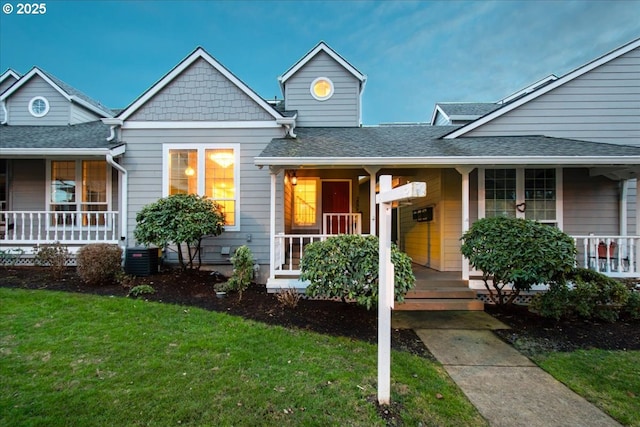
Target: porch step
column 439, row 304
column 441, row 293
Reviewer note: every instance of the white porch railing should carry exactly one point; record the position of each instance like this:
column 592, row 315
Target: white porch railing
column 28, row 227
column 289, row 249
column 614, row 256
column 342, row 223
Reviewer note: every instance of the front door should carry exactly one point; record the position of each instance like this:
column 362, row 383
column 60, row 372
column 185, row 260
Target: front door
column 335, row 199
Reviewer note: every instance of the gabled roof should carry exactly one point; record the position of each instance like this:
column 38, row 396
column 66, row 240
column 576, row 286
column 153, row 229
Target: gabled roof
column 9, row 73
column 81, row 139
column 543, row 89
column 198, row 53
column 462, row 110
column 422, row 146
column 70, row 93
column 321, row 47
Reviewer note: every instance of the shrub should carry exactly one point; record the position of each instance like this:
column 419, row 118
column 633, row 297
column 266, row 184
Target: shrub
column 587, row 294
column 55, row 256
column 632, row 308
column 243, row 262
column 180, row 219
column 517, row 254
column 138, row 290
column 346, row 267
column 288, row 298
column 99, row 263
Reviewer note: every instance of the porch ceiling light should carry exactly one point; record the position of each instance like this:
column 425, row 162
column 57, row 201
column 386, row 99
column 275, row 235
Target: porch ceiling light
column 294, row 179
column 223, row 158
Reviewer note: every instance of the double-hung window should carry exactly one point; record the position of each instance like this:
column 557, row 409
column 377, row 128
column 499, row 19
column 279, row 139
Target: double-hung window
column 78, row 192
column 210, row 170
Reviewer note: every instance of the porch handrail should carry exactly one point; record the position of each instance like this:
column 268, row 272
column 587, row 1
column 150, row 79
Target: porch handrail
column 342, row 223
column 35, row 227
column 613, row 255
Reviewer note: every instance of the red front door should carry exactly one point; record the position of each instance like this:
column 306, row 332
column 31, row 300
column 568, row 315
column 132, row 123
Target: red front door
column 335, row 199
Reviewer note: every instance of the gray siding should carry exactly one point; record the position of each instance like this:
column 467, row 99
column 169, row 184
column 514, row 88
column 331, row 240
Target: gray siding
column 342, row 109
column 18, row 105
column 82, row 115
column 7, row 83
column 200, row 92
column 28, row 185
column 143, row 160
column 602, row 105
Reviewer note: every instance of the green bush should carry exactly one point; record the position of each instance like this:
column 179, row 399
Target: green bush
column 243, row 263
column 54, row 256
column 633, row 305
column 586, row 294
column 138, row 290
column 346, row 267
column 515, row 254
column 99, row 263
column 180, row 219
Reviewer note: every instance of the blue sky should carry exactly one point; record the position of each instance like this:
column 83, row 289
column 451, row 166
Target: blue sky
column 414, row 53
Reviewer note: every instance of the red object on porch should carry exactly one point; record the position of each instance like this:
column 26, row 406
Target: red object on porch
column 602, row 249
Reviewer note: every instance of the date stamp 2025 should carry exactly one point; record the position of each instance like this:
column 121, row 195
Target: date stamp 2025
column 25, row 8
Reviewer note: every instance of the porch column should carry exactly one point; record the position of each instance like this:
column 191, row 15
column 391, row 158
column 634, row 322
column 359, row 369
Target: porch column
column 272, row 226
column 372, row 198
column 464, row 171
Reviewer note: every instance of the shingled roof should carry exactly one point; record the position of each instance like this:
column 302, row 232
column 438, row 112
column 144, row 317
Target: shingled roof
column 422, row 145
column 92, row 135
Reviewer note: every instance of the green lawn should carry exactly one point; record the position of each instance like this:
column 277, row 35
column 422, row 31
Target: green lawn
column 75, row 360
column 609, row 379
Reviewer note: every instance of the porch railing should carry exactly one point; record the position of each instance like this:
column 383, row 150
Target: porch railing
column 29, row 227
column 342, row 223
column 614, row 256
column 289, row 249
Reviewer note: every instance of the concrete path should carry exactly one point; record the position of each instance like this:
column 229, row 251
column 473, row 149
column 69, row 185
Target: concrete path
column 507, row 388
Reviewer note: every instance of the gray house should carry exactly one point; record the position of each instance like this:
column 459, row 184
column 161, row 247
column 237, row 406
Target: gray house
column 564, row 151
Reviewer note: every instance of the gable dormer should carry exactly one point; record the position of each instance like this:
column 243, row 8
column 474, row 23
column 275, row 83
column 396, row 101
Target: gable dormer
column 324, row 90
column 40, row 99
column 7, row 79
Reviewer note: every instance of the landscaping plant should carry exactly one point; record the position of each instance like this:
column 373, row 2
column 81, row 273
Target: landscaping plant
column 54, row 256
column 99, row 263
column 346, row 267
column 243, row 263
column 181, row 219
column 514, row 254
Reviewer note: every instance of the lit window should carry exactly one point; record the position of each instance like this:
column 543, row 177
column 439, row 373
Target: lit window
column 322, row 88
column 305, row 202
column 206, row 171
column 38, row 106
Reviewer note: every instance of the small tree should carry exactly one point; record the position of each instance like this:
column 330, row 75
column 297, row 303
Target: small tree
column 243, row 262
column 347, row 266
column 180, row 219
column 517, row 252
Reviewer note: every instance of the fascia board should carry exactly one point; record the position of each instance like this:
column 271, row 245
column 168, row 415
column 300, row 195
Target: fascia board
column 34, row 71
column 184, row 64
column 46, row 152
column 322, row 46
column 88, row 106
column 441, row 161
column 437, row 110
column 201, row 125
column 551, row 86
column 9, row 73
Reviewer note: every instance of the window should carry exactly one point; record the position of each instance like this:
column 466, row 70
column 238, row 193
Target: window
column 210, row 171
column 321, row 88
column 79, row 186
column 523, row 193
column 38, row 106
column 305, row 202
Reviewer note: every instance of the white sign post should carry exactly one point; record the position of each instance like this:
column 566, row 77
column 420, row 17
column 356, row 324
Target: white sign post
column 386, row 276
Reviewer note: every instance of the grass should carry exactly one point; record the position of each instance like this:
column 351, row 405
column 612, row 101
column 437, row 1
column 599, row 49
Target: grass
column 72, row 359
column 609, row 379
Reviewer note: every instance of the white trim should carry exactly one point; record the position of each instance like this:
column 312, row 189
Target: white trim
column 201, row 175
column 45, row 152
column 449, row 161
column 551, row 86
column 313, row 92
column 36, row 71
column 46, row 106
column 184, row 64
column 530, row 88
column 201, row 125
column 9, row 73
column 437, row 110
column 318, row 220
column 322, row 46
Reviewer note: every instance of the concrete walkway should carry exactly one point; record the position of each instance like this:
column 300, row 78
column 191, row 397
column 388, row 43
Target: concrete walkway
column 507, row 388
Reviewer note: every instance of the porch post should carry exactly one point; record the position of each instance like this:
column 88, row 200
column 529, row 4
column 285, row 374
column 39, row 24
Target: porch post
column 372, row 198
column 464, row 171
column 272, row 226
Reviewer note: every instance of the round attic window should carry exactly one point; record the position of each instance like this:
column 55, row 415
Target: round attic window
column 38, row 106
column 321, row 88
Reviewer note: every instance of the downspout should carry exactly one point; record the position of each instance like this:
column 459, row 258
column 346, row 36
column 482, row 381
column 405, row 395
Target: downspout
column 289, row 123
column 6, row 113
column 124, row 196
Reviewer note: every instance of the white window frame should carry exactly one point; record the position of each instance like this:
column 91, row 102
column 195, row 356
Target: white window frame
column 322, row 98
column 78, row 202
column 520, row 196
column 201, row 148
column 46, row 106
column 318, row 222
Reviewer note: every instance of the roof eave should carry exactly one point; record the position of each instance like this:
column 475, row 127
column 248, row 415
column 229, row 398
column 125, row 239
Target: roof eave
column 49, row 152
